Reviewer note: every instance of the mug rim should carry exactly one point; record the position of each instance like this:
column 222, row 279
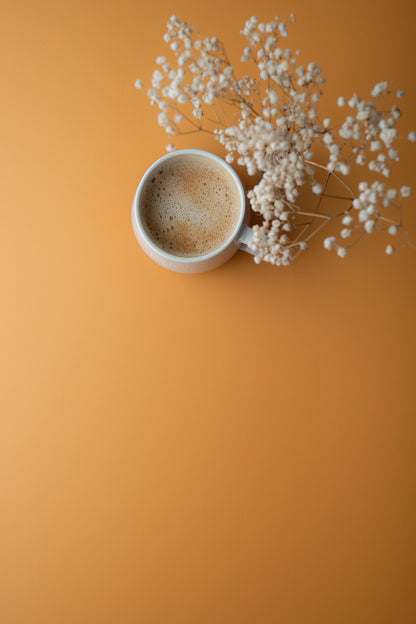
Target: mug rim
column 230, row 239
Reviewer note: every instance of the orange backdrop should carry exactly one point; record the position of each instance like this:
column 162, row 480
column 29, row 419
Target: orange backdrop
column 234, row 447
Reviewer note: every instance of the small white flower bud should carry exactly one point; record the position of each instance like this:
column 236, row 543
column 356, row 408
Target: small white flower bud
column 344, row 168
column 392, row 230
column 372, row 197
column 163, row 119
column 327, row 139
column 389, row 250
column 378, row 89
column 362, row 115
column 283, row 30
column 370, row 226
column 362, row 216
column 329, row 242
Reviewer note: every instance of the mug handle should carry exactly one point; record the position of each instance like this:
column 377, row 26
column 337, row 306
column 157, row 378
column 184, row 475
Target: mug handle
column 245, row 235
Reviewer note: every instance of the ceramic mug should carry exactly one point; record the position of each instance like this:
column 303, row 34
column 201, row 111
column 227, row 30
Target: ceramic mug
column 239, row 238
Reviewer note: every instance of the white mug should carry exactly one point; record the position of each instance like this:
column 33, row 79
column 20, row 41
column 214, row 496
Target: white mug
column 239, row 239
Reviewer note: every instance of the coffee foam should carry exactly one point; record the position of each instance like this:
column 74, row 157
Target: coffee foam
column 190, row 205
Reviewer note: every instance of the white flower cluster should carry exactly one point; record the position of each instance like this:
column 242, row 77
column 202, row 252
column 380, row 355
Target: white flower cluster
column 370, row 129
column 270, row 124
column 367, row 215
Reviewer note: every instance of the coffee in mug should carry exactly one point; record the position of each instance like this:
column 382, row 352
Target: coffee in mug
column 190, row 205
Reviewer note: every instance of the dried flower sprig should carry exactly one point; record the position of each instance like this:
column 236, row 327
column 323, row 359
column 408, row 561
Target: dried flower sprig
column 270, row 124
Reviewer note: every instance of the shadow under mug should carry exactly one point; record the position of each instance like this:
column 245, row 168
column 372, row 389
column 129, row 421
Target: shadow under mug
column 239, row 239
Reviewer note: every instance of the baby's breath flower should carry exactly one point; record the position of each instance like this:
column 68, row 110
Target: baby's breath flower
column 170, row 148
column 273, row 134
column 283, row 29
column 389, row 250
column 344, row 168
column 163, row 119
column 330, row 242
column 370, row 226
column 317, row 189
column 378, row 89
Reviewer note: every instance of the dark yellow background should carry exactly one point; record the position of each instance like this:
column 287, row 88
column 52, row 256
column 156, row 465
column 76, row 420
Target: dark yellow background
column 234, row 447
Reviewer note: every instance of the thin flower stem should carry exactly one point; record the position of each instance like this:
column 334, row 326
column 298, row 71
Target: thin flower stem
column 306, row 228
column 380, row 218
column 337, row 197
column 216, row 114
column 363, row 233
column 315, row 231
column 328, row 175
column 223, row 111
column 194, row 131
column 314, row 164
column 191, row 121
column 314, row 214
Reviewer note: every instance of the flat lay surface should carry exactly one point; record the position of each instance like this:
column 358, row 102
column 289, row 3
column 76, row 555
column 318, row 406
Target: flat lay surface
column 232, row 447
